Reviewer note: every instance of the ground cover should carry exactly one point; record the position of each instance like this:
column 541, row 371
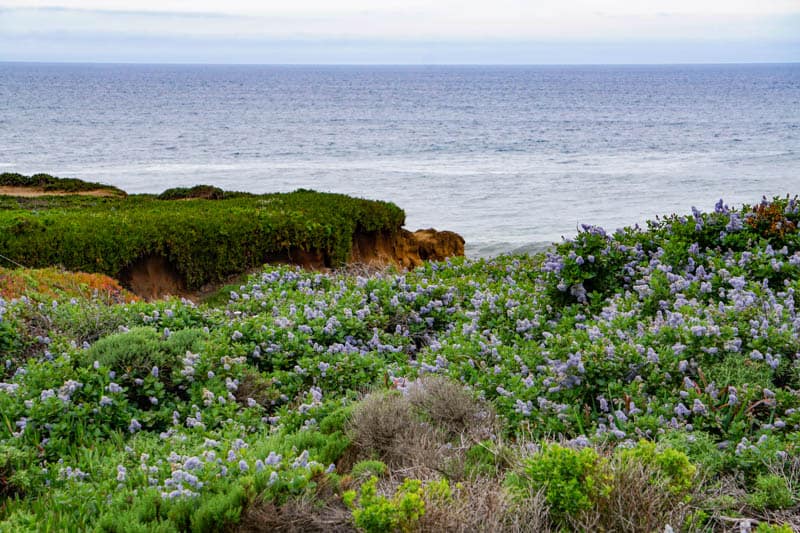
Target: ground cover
column 205, row 234
column 645, row 380
column 12, row 183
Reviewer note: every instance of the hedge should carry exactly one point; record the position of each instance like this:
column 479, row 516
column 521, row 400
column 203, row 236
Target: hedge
column 206, row 240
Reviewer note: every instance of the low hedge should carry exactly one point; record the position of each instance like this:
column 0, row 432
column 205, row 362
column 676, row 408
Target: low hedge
column 206, row 241
column 50, row 183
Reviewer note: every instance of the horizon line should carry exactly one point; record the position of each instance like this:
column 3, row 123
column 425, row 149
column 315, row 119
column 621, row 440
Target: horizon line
column 370, row 64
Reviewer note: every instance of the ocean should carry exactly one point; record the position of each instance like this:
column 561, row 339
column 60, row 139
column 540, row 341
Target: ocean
column 512, row 158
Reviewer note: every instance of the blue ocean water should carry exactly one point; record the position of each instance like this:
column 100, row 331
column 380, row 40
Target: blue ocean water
column 510, row 157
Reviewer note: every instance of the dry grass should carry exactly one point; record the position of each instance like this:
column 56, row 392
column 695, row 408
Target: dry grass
column 727, row 499
column 378, row 423
column 425, row 432
column 482, row 505
column 452, row 408
column 253, row 385
column 365, row 270
column 321, row 512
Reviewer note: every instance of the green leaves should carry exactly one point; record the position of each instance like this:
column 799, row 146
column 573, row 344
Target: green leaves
column 204, row 240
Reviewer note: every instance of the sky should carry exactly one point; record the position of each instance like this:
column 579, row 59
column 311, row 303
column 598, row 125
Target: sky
column 401, row 31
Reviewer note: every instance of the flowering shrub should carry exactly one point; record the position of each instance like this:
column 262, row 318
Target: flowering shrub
column 171, row 415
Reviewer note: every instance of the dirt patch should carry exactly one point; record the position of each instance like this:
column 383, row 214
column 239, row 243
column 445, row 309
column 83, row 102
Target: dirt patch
column 153, row 277
column 33, row 192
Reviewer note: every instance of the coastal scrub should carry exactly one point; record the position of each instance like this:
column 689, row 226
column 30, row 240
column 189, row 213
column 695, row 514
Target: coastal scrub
column 639, row 380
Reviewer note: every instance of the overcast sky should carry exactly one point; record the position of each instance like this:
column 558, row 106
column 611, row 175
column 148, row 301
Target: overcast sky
column 407, row 31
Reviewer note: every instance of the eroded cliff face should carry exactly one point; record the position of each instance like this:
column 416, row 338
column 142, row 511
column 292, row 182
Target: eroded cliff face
column 405, row 249
column 155, row 277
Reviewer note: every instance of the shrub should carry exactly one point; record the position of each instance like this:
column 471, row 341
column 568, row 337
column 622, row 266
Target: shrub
column 51, row 183
column 369, row 468
column 670, row 467
column 207, row 192
column 769, row 219
column 10, row 343
column 770, row 492
column 144, row 361
column 450, row 407
column 134, row 352
column 572, row 480
column 15, row 480
column 206, row 242
column 765, row 527
column 377, row 422
column 374, row 513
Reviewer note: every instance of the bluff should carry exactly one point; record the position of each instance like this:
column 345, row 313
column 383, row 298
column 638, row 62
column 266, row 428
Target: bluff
column 189, row 240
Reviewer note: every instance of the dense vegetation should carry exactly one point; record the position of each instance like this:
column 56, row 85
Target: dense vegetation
column 50, row 183
column 640, row 381
column 206, row 241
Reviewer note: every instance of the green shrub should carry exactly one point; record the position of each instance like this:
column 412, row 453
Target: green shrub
column 15, row 479
column 51, row 183
column 486, row 458
column 144, row 361
column 10, row 343
column 672, row 467
column 770, row 492
column 765, row 527
column 374, row 513
column 135, row 352
column 208, row 192
column 369, row 468
column 204, row 241
column 572, row 479
column 220, row 510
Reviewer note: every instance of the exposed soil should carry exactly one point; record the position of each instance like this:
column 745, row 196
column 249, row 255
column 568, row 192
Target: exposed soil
column 32, row 192
column 404, row 248
column 155, row 277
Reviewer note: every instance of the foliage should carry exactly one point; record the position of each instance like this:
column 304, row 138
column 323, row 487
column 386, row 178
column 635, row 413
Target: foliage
column 57, row 283
column 771, row 492
column 572, row 479
column 52, row 184
column 669, row 386
column 368, row 469
column 672, row 467
column 206, row 242
column 374, row 513
column 209, row 192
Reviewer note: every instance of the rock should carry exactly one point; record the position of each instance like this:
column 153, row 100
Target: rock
column 404, row 248
column 435, row 245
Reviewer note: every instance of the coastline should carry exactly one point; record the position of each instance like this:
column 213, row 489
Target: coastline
column 189, row 241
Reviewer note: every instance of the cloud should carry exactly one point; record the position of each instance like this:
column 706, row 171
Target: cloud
column 508, row 19
column 312, row 31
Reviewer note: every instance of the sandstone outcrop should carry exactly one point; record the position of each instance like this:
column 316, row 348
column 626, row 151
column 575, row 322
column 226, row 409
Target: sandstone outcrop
column 405, row 249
